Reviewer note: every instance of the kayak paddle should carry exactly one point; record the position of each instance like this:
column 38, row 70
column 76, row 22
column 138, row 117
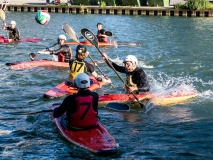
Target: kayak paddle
column 44, row 51
column 72, row 34
column 116, row 107
column 87, row 34
column 2, row 15
column 41, row 111
column 33, row 55
column 108, row 33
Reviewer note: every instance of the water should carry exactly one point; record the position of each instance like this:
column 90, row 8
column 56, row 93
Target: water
column 174, row 52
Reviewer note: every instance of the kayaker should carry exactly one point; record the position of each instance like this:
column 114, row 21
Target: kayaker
column 78, row 65
column 82, row 108
column 14, row 34
column 102, row 37
column 64, row 53
column 136, row 78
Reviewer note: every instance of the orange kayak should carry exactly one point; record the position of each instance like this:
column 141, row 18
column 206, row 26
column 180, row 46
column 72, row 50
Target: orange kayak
column 63, row 89
column 101, row 44
column 39, row 63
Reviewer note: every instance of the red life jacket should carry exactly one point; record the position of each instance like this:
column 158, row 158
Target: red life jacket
column 84, row 116
column 61, row 57
column 102, row 38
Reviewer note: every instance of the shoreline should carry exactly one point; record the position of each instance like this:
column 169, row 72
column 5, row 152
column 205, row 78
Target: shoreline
column 118, row 10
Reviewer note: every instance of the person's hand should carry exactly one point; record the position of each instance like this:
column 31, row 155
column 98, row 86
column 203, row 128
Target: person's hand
column 104, row 56
column 131, row 89
column 10, row 40
column 106, row 80
column 87, row 53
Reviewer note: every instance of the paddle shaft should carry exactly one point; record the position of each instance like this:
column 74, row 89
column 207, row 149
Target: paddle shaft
column 42, row 111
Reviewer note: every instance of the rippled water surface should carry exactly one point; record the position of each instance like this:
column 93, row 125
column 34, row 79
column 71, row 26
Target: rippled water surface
column 174, row 52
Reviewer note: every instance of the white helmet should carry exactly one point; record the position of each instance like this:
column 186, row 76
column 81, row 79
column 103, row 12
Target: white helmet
column 82, row 80
column 131, row 58
column 62, row 37
column 13, row 22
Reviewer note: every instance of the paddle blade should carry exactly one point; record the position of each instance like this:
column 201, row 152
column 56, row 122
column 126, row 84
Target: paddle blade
column 118, row 106
column 32, row 56
column 88, row 35
column 108, row 33
column 2, row 15
column 70, row 32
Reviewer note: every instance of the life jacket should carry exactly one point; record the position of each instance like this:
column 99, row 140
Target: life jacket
column 102, row 38
column 76, row 68
column 11, row 36
column 84, row 116
column 61, row 57
column 130, row 83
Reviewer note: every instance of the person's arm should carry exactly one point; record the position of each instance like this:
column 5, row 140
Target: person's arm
column 59, row 111
column 91, row 70
column 95, row 101
column 109, row 63
column 4, row 27
column 141, row 80
column 16, row 34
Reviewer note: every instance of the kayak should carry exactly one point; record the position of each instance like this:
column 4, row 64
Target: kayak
column 5, row 40
column 89, row 44
column 39, row 63
column 63, row 89
column 103, row 44
column 97, row 139
column 171, row 98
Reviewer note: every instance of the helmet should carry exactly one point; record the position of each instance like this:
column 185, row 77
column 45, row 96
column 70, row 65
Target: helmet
column 62, row 37
column 13, row 22
column 131, row 58
column 81, row 49
column 82, row 80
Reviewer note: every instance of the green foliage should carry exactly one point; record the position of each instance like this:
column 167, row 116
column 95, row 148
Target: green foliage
column 103, row 4
column 130, row 3
column 195, row 5
column 83, row 2
column 155, row 3
column 109, row 2
column 62, row 4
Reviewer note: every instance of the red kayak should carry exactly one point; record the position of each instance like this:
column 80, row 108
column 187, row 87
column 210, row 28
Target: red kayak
column 162, row 100
column 5, row 40
column 63, row 89
column 97, row 139
column 39, row 63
